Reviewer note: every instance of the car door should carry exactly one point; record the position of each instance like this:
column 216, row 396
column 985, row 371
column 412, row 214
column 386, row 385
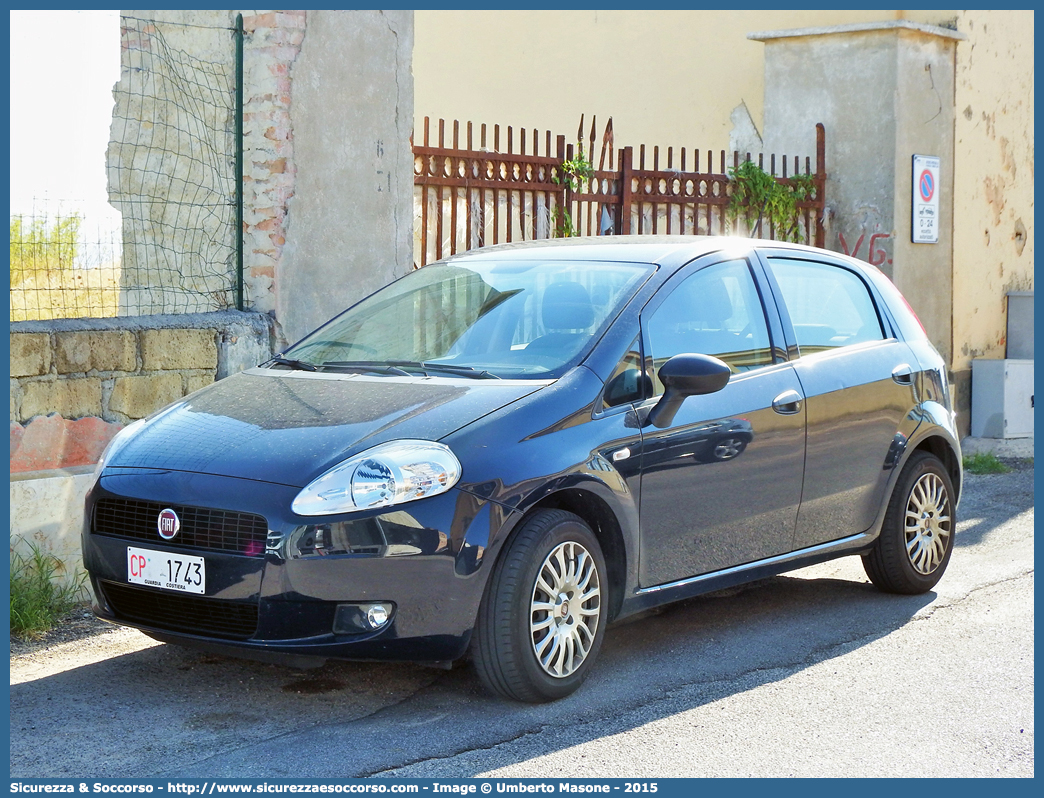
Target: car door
column 858, row 380
column 722, row 483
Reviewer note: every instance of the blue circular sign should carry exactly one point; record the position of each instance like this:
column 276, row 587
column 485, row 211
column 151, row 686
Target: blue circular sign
column 926, row 185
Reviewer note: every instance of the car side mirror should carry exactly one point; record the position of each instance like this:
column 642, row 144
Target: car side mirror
column 686, row 375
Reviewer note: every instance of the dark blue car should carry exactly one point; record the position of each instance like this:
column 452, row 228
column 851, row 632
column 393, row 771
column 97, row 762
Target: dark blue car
column 504, row 452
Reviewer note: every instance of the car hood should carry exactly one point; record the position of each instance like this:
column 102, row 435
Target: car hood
column 290, row 427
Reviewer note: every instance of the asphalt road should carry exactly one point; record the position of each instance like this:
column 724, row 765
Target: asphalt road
column 814, row 673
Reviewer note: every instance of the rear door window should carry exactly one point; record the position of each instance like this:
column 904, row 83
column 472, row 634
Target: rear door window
column 829, row 306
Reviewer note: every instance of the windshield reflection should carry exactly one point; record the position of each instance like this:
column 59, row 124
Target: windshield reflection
column 512, row 319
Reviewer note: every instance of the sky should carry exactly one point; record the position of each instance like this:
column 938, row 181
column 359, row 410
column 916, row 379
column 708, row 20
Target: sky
column 63, row 67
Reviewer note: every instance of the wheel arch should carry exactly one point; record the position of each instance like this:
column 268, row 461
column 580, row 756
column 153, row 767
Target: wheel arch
column 940, row 447
column 598, row 515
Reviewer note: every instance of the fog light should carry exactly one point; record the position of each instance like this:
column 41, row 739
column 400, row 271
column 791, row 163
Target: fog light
column 377, row 616
column 351, row 619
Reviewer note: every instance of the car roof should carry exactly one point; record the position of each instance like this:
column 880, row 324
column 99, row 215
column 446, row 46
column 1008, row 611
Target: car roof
column 635, row 249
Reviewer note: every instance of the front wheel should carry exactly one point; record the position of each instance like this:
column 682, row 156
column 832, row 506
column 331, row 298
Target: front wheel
column 541, row 624
column 916, row 539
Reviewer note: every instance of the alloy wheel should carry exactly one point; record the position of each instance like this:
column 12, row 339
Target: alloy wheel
column 928, row 526
column 564, row 609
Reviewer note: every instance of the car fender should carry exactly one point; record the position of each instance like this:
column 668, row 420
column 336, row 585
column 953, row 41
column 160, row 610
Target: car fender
column 612, row 514
column 935, row 421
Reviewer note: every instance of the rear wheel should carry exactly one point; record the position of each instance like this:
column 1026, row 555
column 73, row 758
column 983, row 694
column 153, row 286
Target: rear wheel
column 541, row 625
column 916, row 540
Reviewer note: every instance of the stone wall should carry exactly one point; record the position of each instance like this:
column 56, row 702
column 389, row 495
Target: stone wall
column 76, row 382
column 170, row 161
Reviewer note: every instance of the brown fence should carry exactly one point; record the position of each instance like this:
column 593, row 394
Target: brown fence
column 468, row 196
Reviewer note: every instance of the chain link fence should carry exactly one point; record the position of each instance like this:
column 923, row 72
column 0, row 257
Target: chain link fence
column 171, row 165
column 61, row 267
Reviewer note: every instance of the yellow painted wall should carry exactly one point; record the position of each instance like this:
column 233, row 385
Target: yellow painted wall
column 666, row 77
column 993, row 188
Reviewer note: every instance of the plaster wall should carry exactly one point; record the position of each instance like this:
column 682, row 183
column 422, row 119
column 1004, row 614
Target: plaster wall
column 993, row 230
column 925, row 118
column 47, row 512
column 849, row 84
column 884, row 94
column 666, row 77
column 349, row 227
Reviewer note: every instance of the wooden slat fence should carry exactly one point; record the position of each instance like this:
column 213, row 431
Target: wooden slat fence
column 471, row 196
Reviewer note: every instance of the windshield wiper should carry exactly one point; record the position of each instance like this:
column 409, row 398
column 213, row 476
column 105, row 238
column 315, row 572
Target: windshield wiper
column 466, row 371
column 299, row 365
column 378, row 367
column 399, row 367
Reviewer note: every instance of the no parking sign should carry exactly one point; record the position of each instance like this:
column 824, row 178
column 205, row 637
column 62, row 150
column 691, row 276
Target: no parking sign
column 925, row 222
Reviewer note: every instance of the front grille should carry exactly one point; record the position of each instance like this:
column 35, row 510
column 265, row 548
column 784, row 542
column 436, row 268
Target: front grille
column 182, row 613
column 201, row 528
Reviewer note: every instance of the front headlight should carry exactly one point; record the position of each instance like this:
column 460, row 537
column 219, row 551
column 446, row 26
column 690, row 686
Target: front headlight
column 391, row 473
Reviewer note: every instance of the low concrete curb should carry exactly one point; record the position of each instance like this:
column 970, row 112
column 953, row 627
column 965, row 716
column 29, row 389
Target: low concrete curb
column 1001, row 447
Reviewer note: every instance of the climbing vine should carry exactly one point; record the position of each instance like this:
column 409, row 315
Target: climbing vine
column 572, row 172
column 755, row 189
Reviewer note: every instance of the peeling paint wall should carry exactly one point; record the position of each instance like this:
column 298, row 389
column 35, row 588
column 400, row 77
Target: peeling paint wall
column 272, row 43
column 993, row 209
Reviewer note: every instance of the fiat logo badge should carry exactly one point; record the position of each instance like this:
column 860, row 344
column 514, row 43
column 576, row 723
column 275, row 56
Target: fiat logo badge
column 168, row 524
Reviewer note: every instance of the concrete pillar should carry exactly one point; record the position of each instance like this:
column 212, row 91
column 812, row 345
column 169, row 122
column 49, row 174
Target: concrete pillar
column 885, row 92
column 349, row 223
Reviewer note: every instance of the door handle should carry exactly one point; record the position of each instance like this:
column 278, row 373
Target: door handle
column 787, row 403
column 903, row 374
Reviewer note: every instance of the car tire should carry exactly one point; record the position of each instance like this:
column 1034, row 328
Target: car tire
column 916, row 539
column 541, row 625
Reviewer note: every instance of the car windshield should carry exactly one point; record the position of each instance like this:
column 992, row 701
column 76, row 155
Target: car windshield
column 506, row 319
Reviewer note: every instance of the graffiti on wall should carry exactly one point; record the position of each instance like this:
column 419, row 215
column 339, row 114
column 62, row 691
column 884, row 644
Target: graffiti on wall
column 877, row 253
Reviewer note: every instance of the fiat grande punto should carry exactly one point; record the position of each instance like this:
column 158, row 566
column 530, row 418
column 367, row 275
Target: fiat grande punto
column 502, row 453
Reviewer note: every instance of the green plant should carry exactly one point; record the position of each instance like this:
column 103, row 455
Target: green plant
column 575, row 169
column 984, row 463
column 38, row 599
column 40, row 247
column 774, row 200
column 572, row 172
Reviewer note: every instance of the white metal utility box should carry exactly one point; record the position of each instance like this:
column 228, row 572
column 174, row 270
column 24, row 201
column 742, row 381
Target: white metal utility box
column 1002, row 398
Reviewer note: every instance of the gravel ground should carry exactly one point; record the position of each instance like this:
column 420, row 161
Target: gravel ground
column 75, row 625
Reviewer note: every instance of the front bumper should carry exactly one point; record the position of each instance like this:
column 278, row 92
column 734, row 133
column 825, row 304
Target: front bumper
column 280, row 600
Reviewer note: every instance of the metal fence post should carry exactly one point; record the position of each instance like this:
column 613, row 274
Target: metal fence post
column 239, row 161
column 820, row 183
column 563, row 207
column 623, row 221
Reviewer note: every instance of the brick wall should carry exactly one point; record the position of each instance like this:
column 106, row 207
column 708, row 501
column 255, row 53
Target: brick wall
column 76, row 382
column 273, row 42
